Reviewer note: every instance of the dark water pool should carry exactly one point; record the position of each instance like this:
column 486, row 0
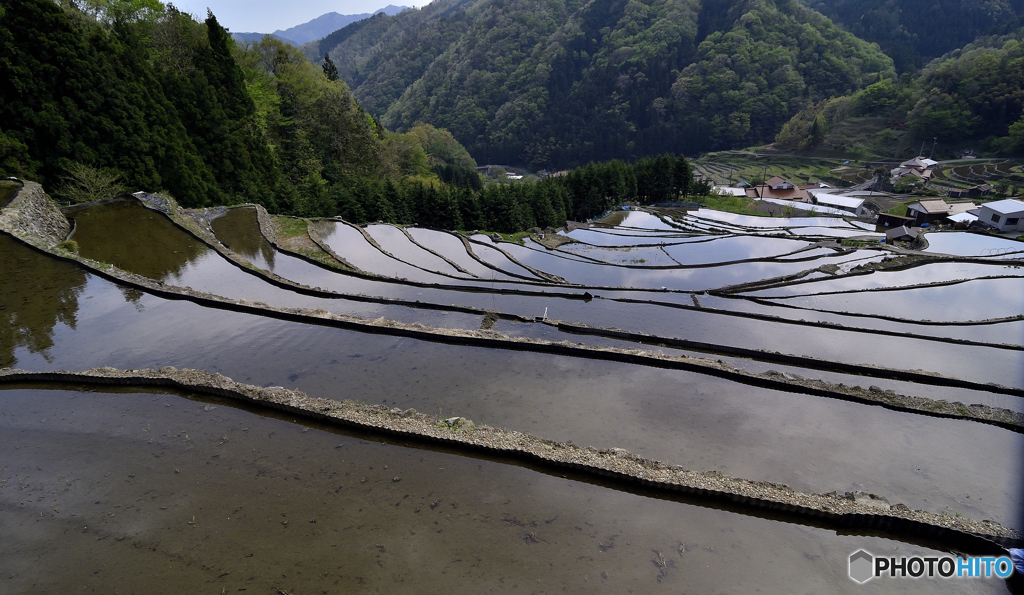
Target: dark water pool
column 135, row 239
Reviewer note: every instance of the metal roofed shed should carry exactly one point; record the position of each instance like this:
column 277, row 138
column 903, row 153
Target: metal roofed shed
column 1008, row 206
column 850, row 204
column 919, row 162
column 729, row 191
column 965, row 218
column 901, row 234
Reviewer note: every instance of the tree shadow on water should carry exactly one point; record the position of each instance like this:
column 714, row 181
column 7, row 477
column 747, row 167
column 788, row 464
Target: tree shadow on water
column 36, row 293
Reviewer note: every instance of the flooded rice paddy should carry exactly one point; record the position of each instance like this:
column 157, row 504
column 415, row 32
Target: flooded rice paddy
column 923, row 274
column 981, row 299
column 164, row 493
column 394, row 241
column 198, row 494
column 623, row 237
column 969, row 244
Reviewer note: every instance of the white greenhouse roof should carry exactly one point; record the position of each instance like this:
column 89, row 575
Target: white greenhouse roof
column 729, row 191
column 817, row 209
column 839, row 200
column 963, row 217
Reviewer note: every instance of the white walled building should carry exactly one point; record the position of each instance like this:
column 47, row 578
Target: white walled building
column 1004, row 215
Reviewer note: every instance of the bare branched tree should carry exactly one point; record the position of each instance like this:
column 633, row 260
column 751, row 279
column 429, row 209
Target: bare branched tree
column 85, row 183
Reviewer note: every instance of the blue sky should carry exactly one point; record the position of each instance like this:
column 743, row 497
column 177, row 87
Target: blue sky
column 267, row 16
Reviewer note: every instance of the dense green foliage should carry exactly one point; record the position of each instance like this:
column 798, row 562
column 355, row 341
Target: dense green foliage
column 976, row 93
column 214, row 123
column 560, row 83
column 382, row 77
column 581, row 194
column 913, row 32
column 322, row 140
column 974, row 96
column 747, row 82
column 145, row 95
column 75, row 92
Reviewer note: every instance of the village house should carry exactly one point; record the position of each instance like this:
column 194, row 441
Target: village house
column 1004, row 215
column 934, row 210
column 980, row 190
column 901, row 234
column 886, row 222
column 918, row 166
column 928, row 211
column 781, row 189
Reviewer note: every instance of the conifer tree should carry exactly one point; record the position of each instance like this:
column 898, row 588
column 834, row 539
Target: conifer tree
column 330, row 69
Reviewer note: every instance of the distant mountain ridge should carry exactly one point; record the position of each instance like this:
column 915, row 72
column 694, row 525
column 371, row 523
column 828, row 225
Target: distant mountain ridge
column 328, row 23
column 258, row 36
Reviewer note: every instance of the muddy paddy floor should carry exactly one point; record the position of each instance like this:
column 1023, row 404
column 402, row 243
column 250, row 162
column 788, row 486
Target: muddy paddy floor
column 158, row 493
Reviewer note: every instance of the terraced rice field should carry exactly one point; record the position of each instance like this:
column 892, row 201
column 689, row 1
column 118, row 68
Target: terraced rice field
column 151, row 490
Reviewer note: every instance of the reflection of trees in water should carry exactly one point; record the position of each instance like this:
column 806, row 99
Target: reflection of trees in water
column 134, row 238
column 132, row 296
column 36, row 293
column 239, row 230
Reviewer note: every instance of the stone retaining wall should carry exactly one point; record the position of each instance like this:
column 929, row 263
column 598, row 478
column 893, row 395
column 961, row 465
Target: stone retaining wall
column 33, row 217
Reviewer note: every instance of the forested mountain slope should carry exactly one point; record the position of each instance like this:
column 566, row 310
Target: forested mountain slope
column 74, row 92
column 131, row 95
column 914, row 32
column 971, row 97
column 558, row 83
column 163, row 102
